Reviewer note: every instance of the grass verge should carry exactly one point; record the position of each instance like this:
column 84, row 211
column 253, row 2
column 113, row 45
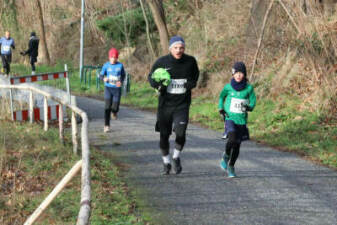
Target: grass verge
column 32, row 162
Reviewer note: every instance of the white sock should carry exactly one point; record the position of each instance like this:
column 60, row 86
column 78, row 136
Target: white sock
column 176, row 153
column 166, row 159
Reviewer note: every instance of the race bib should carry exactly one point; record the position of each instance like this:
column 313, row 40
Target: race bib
column 177, row 86
column 113, row 80
column 6, row 48
column 236, row 105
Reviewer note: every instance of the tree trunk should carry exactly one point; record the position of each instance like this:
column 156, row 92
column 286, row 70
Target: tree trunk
column 153, row 55
column 45, row 54
column 158, row 13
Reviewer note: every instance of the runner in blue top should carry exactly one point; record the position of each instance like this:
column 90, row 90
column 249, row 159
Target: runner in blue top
column 7, row 44
column 113, row 75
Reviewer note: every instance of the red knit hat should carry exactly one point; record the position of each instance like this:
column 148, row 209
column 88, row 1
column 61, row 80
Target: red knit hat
column 113, row 53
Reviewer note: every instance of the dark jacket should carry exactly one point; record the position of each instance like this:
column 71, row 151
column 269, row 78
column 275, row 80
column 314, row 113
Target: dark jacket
column 183, row 68
column 33, row 47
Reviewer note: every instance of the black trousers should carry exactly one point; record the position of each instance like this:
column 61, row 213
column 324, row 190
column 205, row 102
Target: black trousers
column 171, row 118
column 32, row 60
column 6, row 61
column 112, row 98
column 233, row 148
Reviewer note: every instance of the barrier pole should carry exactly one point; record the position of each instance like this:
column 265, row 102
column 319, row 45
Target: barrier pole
column 45, row 107
column 31, row 107
column 67, row 83
column 11, row 103
column 59, row 187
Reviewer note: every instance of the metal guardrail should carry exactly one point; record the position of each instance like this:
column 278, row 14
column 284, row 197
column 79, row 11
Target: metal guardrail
column 84, row 213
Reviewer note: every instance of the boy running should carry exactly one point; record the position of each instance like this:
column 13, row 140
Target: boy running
column 237, row 98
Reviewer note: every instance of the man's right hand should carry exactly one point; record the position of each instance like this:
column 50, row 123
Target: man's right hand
column 105, row 79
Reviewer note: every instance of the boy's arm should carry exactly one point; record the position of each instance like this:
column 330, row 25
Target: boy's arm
column 222, row 97
column 122, row 74
column 252, row 99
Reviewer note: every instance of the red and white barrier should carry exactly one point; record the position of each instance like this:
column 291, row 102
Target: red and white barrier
column 53, row 114
column 38, row 77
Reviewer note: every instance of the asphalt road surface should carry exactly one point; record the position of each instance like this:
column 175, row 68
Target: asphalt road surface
column 272, row 187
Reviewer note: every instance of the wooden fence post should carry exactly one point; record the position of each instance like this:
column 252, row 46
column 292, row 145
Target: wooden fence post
column 74, row 131
column 54, row 193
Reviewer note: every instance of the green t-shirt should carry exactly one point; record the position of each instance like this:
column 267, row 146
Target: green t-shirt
column 231, row 101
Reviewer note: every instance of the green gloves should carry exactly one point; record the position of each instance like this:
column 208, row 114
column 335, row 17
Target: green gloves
column 160, row 75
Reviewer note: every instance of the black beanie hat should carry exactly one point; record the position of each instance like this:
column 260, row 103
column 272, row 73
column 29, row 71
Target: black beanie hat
column 239, row 67
column 32, row 34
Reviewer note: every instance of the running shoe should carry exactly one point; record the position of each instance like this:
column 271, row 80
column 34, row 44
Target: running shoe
column 114, row 116
column 231, row 172
column 224, row 162
column 167, row 169
column 106, row 129
column 177, row 165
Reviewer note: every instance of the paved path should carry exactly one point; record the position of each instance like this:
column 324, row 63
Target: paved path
column 273, row 187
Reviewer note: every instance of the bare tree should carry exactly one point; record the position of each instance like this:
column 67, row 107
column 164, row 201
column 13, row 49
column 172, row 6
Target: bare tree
column 147, row 30
column 158, row 13
column 45, row 53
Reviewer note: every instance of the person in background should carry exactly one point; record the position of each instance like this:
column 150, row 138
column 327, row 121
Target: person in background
column 32, row 51
column 7, row 44
column 113, row 75
column 237, row 98
column 179, row 73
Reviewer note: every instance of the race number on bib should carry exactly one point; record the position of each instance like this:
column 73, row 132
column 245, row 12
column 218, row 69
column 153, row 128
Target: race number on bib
column 236, row 105
column 6, row 48
column 177, row 86
column 113, row 79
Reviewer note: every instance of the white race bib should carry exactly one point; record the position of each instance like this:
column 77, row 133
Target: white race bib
column 113, row 79
column 6, row 48
column 177, row 86
column 236, row 105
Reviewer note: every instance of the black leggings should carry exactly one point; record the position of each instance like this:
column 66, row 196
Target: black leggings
column 33, row 60
column 110, row 107
column 6, row 61
column 177, row 119
column 232, row 148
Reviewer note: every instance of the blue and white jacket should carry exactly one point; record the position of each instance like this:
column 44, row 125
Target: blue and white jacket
column 7, row 45
column 114, row 73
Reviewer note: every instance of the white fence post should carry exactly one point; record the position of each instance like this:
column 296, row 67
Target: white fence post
column 61, row 124
column 45, row 107
column 31, row 107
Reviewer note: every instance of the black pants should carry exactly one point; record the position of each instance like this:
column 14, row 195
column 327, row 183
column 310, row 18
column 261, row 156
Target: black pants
column 112, row 98
column 233, row 148
column 6, row 61
column 33, row 60
column 168, row 118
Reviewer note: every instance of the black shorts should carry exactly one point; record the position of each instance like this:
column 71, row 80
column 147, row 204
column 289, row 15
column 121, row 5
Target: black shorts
column 169, row 118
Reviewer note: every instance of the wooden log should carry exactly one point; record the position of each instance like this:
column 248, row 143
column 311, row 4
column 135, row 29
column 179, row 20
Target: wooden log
column 59, row 187
column 74, row 132
column 84, row 214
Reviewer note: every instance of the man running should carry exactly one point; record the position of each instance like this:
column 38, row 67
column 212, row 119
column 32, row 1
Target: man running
column 7, row 44
column 173, row 75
